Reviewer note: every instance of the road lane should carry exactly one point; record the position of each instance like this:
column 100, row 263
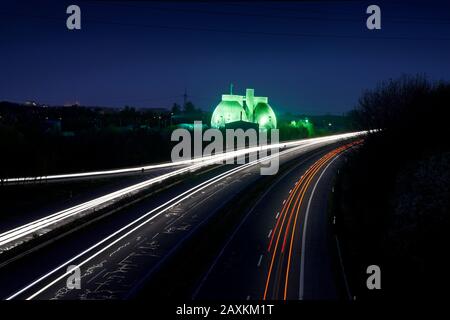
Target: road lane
column 129, row 254
column 23, row 233
column 163, row 224
column 264, row 257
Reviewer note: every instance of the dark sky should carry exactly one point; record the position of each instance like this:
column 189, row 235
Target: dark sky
column 307, row 57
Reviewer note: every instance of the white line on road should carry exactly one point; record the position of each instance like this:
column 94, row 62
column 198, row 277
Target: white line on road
column 168, row 205
column 347, row 287
column 34, row 226
column 259, row 261
column 163, row 208
column 302, row 256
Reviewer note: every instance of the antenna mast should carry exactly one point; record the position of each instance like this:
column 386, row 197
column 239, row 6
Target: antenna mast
column 185, row 98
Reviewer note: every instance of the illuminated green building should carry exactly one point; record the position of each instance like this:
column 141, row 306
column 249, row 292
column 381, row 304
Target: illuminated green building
column 246, row 108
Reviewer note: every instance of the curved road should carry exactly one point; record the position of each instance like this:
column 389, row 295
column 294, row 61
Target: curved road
column 283, row 249
column 116, row 254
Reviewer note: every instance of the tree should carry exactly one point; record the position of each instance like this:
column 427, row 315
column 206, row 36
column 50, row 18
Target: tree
column 176, row 109
column 189, row 107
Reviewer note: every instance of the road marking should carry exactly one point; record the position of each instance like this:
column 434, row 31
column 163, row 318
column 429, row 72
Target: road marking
column 194, row 295
column 302, row 256
column 278, row 213
column 155, row 235
column 347, row 287
column 29, row 228
column 270, row 232
column 163, row 208
column 260, row 259
column 312, row 171
column 169, row 222
column 96, row 276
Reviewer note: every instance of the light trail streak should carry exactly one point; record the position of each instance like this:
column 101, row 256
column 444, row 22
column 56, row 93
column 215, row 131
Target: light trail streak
column 297, row 186
column 287, row 205
column 39, row 224
column 132, row 170
column 302, row 257
column 298, row 201
column 299, row 192
column 291, row 245
column 164, row 207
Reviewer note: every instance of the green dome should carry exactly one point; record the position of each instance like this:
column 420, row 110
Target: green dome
column 227, row 111
column 246, row 108
column 264, row 116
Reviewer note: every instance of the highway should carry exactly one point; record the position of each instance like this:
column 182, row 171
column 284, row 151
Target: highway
column 22, row 233
column 17, row 235
column 132, row 171
column 283, row 249
column 116, row 255
column 124, row 172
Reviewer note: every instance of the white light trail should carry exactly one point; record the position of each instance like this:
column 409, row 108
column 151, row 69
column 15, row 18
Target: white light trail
column 34, row 226
column 99, row 173
column 169, row 204
column 164, row 207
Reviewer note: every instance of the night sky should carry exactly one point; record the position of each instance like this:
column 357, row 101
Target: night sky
column 306, row 57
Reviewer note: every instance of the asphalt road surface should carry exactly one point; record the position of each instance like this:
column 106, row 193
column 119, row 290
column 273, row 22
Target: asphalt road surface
column 282, row 249
column 115, row 255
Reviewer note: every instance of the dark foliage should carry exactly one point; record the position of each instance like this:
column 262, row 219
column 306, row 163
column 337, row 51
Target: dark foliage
column 394, row 193
column 47, row 140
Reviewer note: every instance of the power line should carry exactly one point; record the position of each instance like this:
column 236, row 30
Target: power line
column 271, row 16
column 216, row 30
column 229, row 13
